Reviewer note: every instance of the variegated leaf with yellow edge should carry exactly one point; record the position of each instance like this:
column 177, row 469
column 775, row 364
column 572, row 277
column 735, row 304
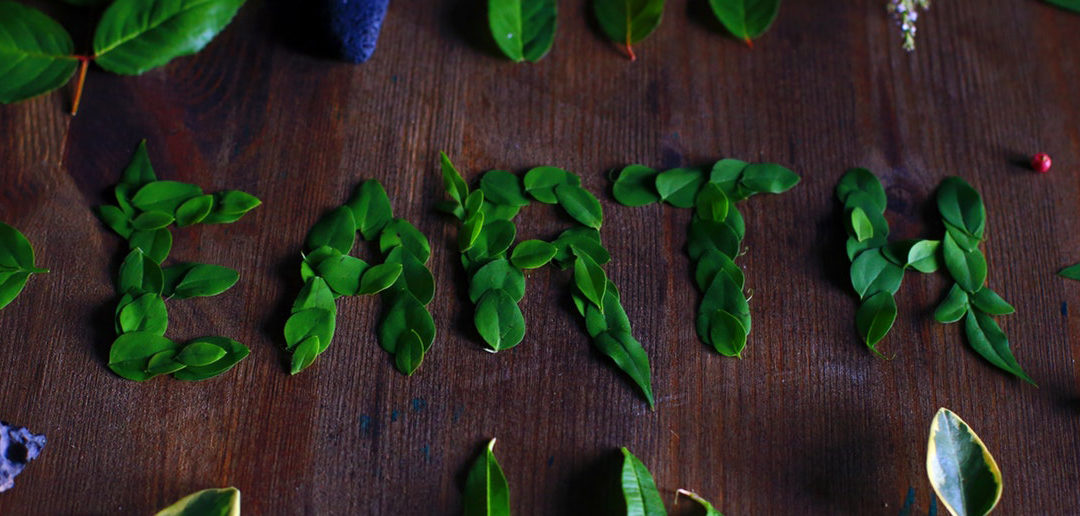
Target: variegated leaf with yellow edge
column 963, row 473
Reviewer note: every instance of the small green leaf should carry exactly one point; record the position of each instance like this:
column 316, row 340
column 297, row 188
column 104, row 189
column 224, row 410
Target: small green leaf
column 1072, row 5
column 415, row 277
column 639, row 490
column 486, row 490
column 590, row 279
column 706, row 235
column 961, row 206
column 726, row 334
column 579, row 240
column 315, row 294
column 139, row 171
column 923, row 256
column 709, row 509
column 452, row 180
column 145, row 313
column 954, row 307
column 860, row 180
column 139, row 274
column 713, row 262
column 679, row 186
column 155, row 244
column 336, row 229
column 36, row 52
column 968, row 268
column 234, row 353
column 194, row 210
column 1071, row 272
column 403, row 315
column 725, row 174
column 627, row 353
column 203, row 280
column 200, row 353
column 303, row 355
column 134, row 36
column 990, row 302
column 379, row 278
column 580, row 204
column 872, row 273
column 306, row 323
column 636, row 186
column 767, row 177
column 746, row 19
column 342, row 273
column 875, row 317
column 502, row 187
column 370, row 208
column 10, row 286
column 163, row 363
column 409, row 353
column 860, row 225
column 230, row 205
column 152, row 220
column 712, row 203
column 499, row 321
column 961, row 470
column 116, row 219
column 164, row 196
column 628, row 21
column 470, row 231
column 523, row 29
column 532, row 254
column 723, row 294
column 131, row 352
column 541, row 182
column 400, row 232
column 987, row 339
column 208, row 502
column 16, row 263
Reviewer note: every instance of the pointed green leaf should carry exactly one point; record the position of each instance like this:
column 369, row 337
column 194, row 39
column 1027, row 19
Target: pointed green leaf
column 152, row 220
column 726, row 334
column 230, row 205
column 541, row 182
column 379, row 277
column 131, row 352
column 164, row 196
column 155, row 244
column 746, row 19
column 986, row 338
column 968, row 268
column 628, row 21
column 303, row 355
column 639, row 490
column 336, row 229
column 202, row 280
column 455, row 185
column 679, row 186
column 768, row 177
column 35, row 53
column 954, row 307
column 874, row 318
column 860, row 225
column 200, row 353
column 636, row 186
column 580, row 204
column 486, row 490
column 1071, row 272
column 961, row 206
column 628, row 354
column 234, row 353
column 712, row 203
column 860, row 180
column 370, row 208
column 194, row 210
column 924, row 257
column 523, row 29
column 961, row 470
column 208, row 502
column 990, row 302
column 872, row 273
column 134, row 36
column 709, row 509
column 590, row 279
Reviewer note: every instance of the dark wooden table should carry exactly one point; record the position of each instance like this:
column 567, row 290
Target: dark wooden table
column 808, row 422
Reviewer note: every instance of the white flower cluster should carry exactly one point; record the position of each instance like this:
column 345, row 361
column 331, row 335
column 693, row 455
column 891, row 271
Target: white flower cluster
column 906, row 12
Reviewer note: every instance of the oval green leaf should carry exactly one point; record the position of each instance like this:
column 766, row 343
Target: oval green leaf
column 628, row 21
column 523, row 29
column 961, row 206
column 194, row 210
column 336, row 229
column 961, row 470
column 203, row 280
column 986, row 338
column 370, row 208
column 532, row 254
column 726, row 334
column 499, row 320
column 379, row 278
column 746, row 19
column 679, row 186
column 36, row 53
column 636, row 186
column 968, row 268
column 234, row 353
column 874, row 318
column 768, row 177
column 200, row 353
column 871, row 273
column 208, row 502
column 580, row 204
column 954, row 307
column 860, row 180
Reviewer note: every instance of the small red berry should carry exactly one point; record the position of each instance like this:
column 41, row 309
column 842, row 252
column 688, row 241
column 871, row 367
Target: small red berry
column 1041, row 162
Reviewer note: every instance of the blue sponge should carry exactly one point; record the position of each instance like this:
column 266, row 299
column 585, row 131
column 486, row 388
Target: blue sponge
column 17, row 447
column 354, row 25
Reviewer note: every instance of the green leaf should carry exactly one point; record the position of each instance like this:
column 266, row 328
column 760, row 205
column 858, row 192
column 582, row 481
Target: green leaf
column 860, row 225
column 860, row 180
column 163, row 363
column 315, row 294
column 16, row 263
column 706, row 235
column 987, row 339
column 303, row 355
column 499, row 321
column 1072, row 5
column 36, row 53
column 532, row 254
column 409, row 353
column 723, row 294
column 152, row 220
column 203, row 280
column 234, row 353
column 496, row 237
column 726, row 334
column 502, row 187
column 164, row 196
column 627, row 353
column 230, row 205
column 208, row 502
column 961, row 206
column 370, row 208
column 709, row 509
column 874, row 318
column 200, row 353
column 336, row 229
column 679, row 186
column 486, row 490
column 639, row 490
column 311, row 322
column 636, row 186
column 116, row 219
column 961, row 469
column 1071, row 272
column 131, row 352
column 954, row 307
column 134, row 36
column 580, row 204
column 923, row 256
column 145, row 313
column 140, row 274
column 379, row 278
column 415, row 277
column 579, row 240
column 541, row 182
column 872, row 273
column 713, row 262
column 404, row 314
column 523, row 29
column 470, row 231
column 990, row 302
column 155, row 244
column 400, row 232
column 194, row 210
column 968, row 268
column 455, row 185
column 342, row 273
column 139, row 171
column 712, row 203
column 746, row 19
column 767, row 177
column 10, row 286
column 628, row 21
column 725, row 174
column 590, row 279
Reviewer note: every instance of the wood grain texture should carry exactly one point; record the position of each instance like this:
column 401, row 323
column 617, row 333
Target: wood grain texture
column 808, row 422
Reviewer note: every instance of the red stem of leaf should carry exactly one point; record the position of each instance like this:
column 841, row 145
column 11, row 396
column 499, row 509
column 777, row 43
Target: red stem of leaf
column 84, row 62
column 748, row 42
column 630, row 52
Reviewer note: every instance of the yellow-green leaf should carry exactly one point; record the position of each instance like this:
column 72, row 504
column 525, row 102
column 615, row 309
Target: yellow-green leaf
column 961, row 469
